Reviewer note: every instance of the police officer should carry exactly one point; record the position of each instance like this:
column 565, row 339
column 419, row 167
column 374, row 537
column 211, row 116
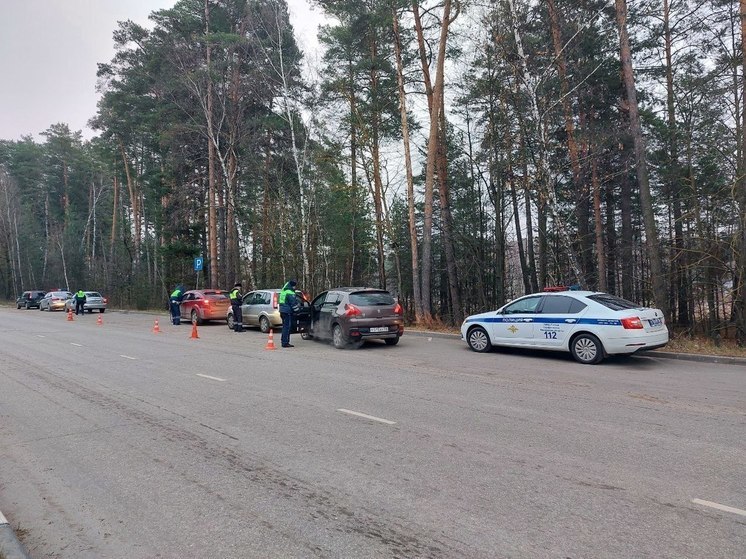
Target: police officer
column 288, row 304
column 236, row 299
column 80, row 302
column 175, row 301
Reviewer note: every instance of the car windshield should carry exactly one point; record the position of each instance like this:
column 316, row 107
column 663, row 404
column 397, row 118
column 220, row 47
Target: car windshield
column 371, row 298
column 613, row 302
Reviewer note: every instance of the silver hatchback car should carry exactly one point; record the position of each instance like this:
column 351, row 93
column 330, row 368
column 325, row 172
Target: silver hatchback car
column 262, row 308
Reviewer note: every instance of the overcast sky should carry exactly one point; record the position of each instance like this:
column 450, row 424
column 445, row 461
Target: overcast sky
column 49, row 50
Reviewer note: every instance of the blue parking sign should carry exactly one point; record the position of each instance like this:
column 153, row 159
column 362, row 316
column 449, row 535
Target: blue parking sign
column 199, row 263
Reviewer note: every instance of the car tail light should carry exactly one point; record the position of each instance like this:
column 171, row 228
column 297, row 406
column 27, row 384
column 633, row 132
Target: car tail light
column 632, row 323
column 352, row 310
column 398, row 309
column 274, row 300
column 106, row 300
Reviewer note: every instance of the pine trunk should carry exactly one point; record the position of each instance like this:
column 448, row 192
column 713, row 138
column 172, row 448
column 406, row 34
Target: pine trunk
column 408, row 165
column 646, row 201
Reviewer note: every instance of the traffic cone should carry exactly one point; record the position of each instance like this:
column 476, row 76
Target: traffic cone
column 70, row 315
column 100, row 320
column 195, row 335
column 156, row 328
column 270, row 341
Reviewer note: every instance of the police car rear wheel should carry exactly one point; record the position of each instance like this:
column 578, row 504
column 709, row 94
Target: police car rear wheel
column 478, row 340
column 587, row 349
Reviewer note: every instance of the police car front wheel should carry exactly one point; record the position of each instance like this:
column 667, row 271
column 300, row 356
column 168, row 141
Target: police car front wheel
column 587, row 349
column 478, row 340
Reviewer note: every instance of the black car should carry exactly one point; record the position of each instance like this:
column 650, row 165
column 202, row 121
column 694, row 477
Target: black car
column 350, row 315
column 29, row 299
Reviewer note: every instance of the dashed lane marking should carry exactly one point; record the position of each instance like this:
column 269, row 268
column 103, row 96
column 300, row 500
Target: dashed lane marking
column 76, row 345
column 718, row 506
column 366, row 416
column 128, row 357
column 40, row 336
column 212, row 378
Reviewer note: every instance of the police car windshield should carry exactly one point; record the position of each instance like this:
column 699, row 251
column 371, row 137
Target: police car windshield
column 613, row 302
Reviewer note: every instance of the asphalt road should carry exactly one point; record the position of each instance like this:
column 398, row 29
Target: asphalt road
column 116, row 442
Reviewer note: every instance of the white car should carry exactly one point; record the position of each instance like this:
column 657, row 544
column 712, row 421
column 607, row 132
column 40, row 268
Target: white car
column 588, row 324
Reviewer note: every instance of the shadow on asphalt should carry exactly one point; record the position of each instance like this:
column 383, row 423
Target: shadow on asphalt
column 639, row 361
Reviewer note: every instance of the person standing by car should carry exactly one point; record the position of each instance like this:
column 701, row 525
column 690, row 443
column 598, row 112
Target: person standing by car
column 175, row 304
column 79, row 302
column 236, row 298
column 288, row 305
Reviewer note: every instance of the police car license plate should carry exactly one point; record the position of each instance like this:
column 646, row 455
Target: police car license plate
column 379, row 329
column 654, row 322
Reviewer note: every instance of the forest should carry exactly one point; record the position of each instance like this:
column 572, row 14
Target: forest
column 458, row 153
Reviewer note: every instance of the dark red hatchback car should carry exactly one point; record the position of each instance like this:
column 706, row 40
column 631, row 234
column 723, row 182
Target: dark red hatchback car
column 350, row 315
column 202, row 305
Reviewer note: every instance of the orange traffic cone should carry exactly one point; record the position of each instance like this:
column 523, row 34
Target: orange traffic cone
column 70, row 315
column 195, row 335
column 100, row 320
column 156, row 328
column 270, row 341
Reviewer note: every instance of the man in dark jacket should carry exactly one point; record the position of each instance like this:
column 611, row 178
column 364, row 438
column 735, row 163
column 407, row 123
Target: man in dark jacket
column 288, row 305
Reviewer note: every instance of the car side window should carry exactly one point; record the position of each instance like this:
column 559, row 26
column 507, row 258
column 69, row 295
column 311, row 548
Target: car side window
column 556, row 304
column 265, row 298
column 527, row 305
column 333, row 299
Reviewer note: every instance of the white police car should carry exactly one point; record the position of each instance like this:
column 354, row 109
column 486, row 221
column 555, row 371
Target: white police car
column 588, row 324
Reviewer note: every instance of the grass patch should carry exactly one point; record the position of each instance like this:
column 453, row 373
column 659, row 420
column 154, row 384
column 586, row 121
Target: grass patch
column 704, row 346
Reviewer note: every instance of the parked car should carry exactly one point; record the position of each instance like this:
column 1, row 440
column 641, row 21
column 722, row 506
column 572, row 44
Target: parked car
column 350, row 315
column 54, row 301
column 29, row 299
column 262, row 308
column 202, row 305
column 94, row 301
column 590, row 325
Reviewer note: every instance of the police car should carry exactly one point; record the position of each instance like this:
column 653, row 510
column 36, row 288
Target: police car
column 588, row 324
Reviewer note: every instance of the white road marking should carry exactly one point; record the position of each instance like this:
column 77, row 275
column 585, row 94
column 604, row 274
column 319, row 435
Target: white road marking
column 76, row 345
column 40, row 336
column 3, row 520
column 718, row 506
column 128, row 357
column 211, row 378
column 366, row 416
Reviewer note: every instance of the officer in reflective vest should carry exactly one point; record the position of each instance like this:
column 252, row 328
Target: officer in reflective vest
column 236, row 300
column 288, row 305
column 80, row 302
column 175, row 304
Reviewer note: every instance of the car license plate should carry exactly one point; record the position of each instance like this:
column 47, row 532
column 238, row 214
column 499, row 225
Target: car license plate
column 379, row 329
column 655, row 322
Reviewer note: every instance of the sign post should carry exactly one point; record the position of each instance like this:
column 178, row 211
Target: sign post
column 199, row 264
